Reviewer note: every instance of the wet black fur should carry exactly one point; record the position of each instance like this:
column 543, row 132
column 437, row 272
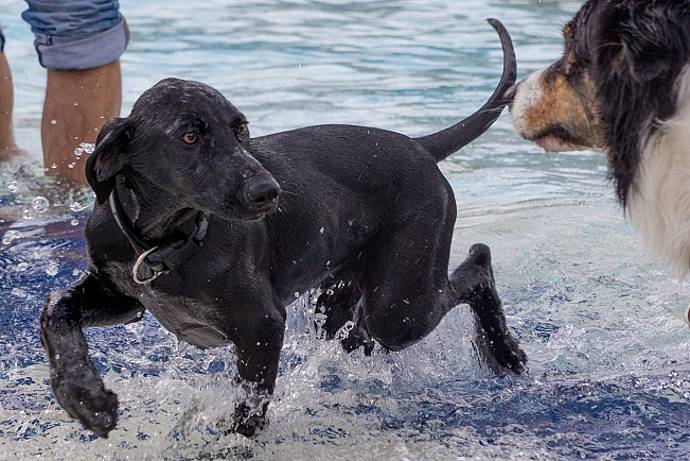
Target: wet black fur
column 635, row 51
column 364, row 213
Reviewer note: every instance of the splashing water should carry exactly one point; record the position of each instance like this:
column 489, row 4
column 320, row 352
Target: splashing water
column 84, row 148
column 600, row 320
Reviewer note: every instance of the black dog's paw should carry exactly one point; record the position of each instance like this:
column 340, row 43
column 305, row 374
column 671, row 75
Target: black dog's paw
column 510, row 355
column 248, row 422
column 502, row 355
column 93, row 405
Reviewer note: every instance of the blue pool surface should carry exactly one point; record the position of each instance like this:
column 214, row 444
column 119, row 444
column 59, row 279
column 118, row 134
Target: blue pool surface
column 600, row 318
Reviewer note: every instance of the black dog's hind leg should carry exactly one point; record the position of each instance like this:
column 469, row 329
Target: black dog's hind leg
column 75, row 383
column 473, row 283
column 339, row 303
column 407, row 291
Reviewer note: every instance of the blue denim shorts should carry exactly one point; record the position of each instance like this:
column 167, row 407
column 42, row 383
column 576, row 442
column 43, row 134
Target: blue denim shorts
column 76, row 34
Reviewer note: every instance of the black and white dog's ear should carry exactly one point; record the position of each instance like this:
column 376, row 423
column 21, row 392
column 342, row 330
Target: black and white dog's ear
column 646, row 45
column 109, row 156
column 645, row 62
column 639, row 49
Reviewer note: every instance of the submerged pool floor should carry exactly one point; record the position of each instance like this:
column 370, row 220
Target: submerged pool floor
column 608, row 371
column 600, row 319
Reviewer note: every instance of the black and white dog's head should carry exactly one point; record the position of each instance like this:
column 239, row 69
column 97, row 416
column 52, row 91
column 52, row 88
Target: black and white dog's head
column 623, row 86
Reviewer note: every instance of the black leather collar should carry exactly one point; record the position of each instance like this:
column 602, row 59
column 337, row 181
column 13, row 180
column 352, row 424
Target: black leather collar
column 154, row 261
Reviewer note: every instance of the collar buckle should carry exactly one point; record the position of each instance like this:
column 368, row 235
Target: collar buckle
column 154, row 271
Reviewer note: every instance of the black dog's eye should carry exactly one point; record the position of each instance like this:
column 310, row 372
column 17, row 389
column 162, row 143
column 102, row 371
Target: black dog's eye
column 190, row 138
column 242, row 131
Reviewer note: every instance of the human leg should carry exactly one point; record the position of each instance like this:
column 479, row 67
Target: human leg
column 7, row 144
column 79, row 42
column 77, row 104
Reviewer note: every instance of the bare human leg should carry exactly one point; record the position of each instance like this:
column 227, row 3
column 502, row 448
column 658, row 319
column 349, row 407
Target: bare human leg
column 77, row 104
column 8, row 147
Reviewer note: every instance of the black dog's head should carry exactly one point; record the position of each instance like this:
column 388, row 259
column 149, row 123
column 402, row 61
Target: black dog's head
column 616, row 80
column 186, row 139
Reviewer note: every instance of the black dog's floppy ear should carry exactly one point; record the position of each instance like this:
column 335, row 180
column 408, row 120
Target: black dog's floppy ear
column 109, row 157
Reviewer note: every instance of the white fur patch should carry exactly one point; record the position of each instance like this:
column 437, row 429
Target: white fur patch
column 529, row 92
column 660, row 208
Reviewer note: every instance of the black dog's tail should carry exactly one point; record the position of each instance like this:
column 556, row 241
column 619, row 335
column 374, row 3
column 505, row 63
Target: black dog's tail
column 451, row 140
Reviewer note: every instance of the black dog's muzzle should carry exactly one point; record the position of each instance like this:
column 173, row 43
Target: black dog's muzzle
column 261, row 191
column 260, row 194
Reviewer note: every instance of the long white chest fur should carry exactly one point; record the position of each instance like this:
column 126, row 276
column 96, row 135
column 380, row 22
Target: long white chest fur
column 660, row 207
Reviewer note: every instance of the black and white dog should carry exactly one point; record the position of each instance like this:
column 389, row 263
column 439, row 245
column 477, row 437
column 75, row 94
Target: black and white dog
column 623, row 85
column 213, row 231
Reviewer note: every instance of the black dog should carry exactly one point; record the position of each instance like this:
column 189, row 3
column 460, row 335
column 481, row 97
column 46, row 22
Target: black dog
column 182, row 227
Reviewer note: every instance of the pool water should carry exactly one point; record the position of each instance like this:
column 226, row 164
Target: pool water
column 600, row 319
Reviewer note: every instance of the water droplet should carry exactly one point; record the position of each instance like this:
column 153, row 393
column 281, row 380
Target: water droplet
column 53, row 165
column 320, row 321
column 321, row 230
column 19, row 293
column 57, row 356
column 21, row 267
column 77, row 206
column 84, row 148
column 344, row 331
column 10, row 236
column 296, row 294
column 71, row 165
column 52, row 268
column 74, row 222
column 40, row 204
column 53, row 122
column 12, row 186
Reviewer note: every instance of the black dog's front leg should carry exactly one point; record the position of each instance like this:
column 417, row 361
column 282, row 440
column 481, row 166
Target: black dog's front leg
column 73, row 378
column 258, row 347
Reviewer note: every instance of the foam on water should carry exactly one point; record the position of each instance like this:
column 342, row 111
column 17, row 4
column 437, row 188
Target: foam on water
column 600, row 319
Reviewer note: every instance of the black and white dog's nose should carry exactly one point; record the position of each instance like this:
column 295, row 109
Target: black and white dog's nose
column 509, row 94
column 262, row 191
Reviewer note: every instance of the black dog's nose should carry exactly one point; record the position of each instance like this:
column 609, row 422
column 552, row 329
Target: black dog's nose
column 261, row 191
